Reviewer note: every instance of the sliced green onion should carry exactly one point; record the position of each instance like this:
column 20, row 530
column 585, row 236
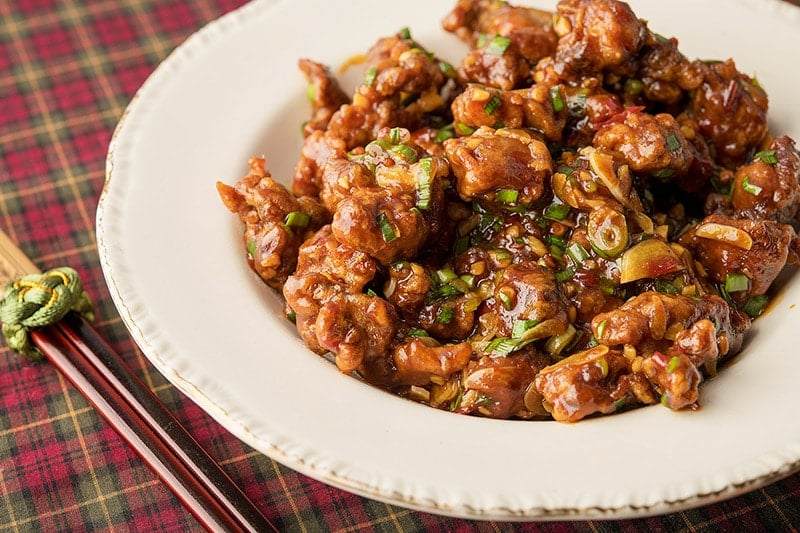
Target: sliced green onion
column 749, row 187
column 566, row 170
column 297, row 219
column 464, row 129
column 311, row 93
column 666, row 287
column 461, row 245
column 673, row 364
column 601, row 328
column 370, row 76
column 556, row 211
column 447, row 69
column 506, row 299
column 498, row 46
column 756, row 305
column 387, row 231
column 406, row 152
column 445, row 133
column 445, row 315
column 491, row 106
column 521, row 326
column 446, row 275
column 664, row 173
column 292, row 316
column 673, row 144
column 499, row 254
column 633, row 86
column 469, row 279
column 395, row 135
column 556, row 98
column 424, row 184
column 501, row 346
column 417, row 332
column 567, row 273
column 371, row 292
column 404, row 33
column 555, row 240
column 251, row 247
column 736, row 282
column 506, row 196
column 608, row 286
column 578, row 253
column 767, row 156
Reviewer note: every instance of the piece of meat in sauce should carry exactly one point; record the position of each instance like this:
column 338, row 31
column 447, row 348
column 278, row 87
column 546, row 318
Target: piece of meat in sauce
column 331, row 311
column 731, row 111
column 597, row 36
column 768, row 187
column 324, row 93
column 276, row 222
column 757, row 249
column 593, row 381
column 490, row 161
column 506, row 41
column 649, row 144
column 532, row 108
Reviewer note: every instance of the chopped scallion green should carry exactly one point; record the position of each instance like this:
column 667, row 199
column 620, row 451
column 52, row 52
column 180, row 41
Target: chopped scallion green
column 445, row 133
column 501, row 346
column 756, row 305
column 424, row 183
column 767, row 156
column 673, row 364
column 370, row 76
column 567, row 273
column 406, row 152
column 491, row 106
column 578, row 253
column 556, row 211
column 556, row 98
column 521, row 326
column 507, row 196
column 395, row 135
column 673, row 144
column 297, row 219
column 445, row 315
column 601, row 328
column 498, row 45
column 387, row 231
column 464, row 129
column 750, row 187
column 448, row 70
column 736, row 282
column 446, row 275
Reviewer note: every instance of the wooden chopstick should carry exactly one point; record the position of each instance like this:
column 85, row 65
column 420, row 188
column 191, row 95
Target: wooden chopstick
column 140, row 418
column 154, row 414
column 135, row 413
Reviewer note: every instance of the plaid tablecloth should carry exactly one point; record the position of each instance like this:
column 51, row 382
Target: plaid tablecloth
column 68, row 68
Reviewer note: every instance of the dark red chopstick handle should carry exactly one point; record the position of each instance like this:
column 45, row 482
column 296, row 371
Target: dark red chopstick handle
column 119, row 415
column 156, row 415
column 199, row 497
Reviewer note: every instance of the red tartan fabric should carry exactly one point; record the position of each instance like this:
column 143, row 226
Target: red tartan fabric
column 68, row 68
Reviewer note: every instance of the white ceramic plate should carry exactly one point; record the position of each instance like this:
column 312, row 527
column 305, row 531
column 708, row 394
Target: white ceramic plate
column 171, row 255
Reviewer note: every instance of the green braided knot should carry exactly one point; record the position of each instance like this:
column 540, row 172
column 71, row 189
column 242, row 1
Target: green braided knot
column 39, row 300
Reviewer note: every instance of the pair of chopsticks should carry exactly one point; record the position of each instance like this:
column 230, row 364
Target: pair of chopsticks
column 138, row 416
